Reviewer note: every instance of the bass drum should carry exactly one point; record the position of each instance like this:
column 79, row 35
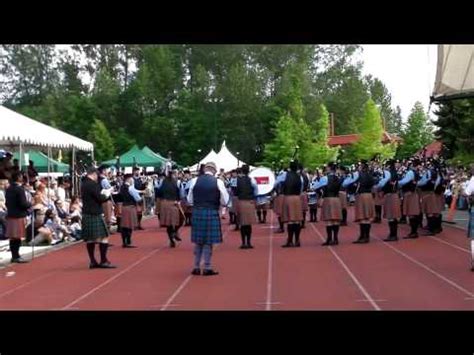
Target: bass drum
column 265, row 179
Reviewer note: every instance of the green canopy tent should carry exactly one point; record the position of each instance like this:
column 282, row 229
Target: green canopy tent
column 137, row 156
column 148, row 151
column 40, row 161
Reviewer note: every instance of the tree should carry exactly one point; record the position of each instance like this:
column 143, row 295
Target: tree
column 103, row 143
column 397, row 122
column 417, row 133
column 369, row 143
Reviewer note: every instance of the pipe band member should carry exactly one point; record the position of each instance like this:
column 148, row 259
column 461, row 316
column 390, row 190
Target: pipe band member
column 206, row 195
column 331, row 211
column 130, row 198
column 411, row 201
column 247, row 191
column 170, row 212
column 469, row 192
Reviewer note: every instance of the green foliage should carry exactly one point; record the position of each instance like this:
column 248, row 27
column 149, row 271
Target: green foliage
column 369, row 143
column 104, row 145
column 418, row 132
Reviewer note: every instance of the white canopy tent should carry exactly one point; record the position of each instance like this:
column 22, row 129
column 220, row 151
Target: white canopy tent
column 223, row 160
column 455, row 72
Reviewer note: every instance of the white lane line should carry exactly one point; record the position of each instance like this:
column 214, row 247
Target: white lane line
column 6, row 293
column 270, row 269
column 427, row 268
column 106, row 282
column 356, row 281
column 450, row 244
column 186, row 280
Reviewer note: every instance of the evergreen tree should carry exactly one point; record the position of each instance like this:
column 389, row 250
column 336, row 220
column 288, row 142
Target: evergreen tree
column 103, row 143
column 417, row 133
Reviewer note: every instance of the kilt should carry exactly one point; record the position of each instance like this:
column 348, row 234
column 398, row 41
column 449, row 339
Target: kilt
column 118, row 209
column 94, row 227
column 140, row 208
column 206, row 226
column 411, row 204
column 304, row 202
column 343, row 199
column 429, row 204
column 470, row 226
column 169, row 214
column 392, row 206
column 378, row 198
column 440, row 202
column 107, row 207
column 129, row 217
column 331, row 210
column 16, row 228
column 234, row 205
column 157, row 206
column 292, row 209
column 247, row 212
column 364, row 207
column 262, row 206
column 278, row 205
column 187, row 208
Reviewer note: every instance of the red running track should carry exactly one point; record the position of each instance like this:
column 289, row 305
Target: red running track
column 430, row 273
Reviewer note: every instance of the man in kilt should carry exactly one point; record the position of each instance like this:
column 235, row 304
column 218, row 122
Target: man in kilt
column 304, row 195
column 247, row 191
column 292, row 186
column 130, row 198
column 94, row 228
column 429, row 205
column 158, row 196
column 263, row 202
column 206, row 195
column 17, row 204
column 278, row 201
column 469, row 192
column 343, row 173
column 107, row 205
column 411, row 200
column 331, row 211
column 170, row 209
column 392, row 207
column 140, row 187
column 184, row 190
column 364, row 201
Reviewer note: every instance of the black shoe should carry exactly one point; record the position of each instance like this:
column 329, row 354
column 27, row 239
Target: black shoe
column 141, row 228
column 336, row 242
column 390, row 239
column 297, row 245
column 287, row 245
column 196, row 272
column 411, row 236
column 243, row 246
column 172, row 245
column 107, row 265
column 128, row 246
column 93, row 266
column 250, row 246
column 280, row 230
column 177, row 238
column 343, row 224
column 359, row 241
column 19, row 260
column 209, row 273
column 326, row 243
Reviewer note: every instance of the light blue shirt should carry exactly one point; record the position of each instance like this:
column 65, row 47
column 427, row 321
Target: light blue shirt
column 133, row 191
column 409, row 176
column 386, row 178
column 321, row 183
column 350, row 179
column 254, row 186
column 158, row 183
column 424, row 179
column 282, row 177
column 105, row 184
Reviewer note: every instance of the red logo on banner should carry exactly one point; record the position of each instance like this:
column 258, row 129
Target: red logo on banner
column 262, row 180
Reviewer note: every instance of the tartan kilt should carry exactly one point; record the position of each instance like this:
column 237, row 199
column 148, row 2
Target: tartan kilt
column 364, row 207
column 129, row 217
column 206, row 226
column 118, row 209
column 292, row 209
column 278, row 205
column 411, row 204
column 157, row 206
column 332, row 209
column 107, row 206
column 304, row 202
column 392, row 208
column 429, row 204
column 343, row 199
column 16, row 228
column 94, row 227
column 247, row 212
column 378, row 197
column 169, row 214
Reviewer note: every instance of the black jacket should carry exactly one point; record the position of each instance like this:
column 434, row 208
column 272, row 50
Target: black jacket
column 16, row 202
column 91, row 198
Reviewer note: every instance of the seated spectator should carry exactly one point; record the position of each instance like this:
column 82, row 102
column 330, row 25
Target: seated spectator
column 75, row 207
column 32, row 173
column 56, row 226
column 61, row 211
column 60, row 190
column 75, row 228
column 3, row 208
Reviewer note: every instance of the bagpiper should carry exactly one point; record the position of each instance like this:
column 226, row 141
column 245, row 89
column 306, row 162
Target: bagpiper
column 130, row 198
column 247, row 191
column 411, row 200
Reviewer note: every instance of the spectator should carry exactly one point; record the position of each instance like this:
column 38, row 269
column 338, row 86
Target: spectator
column 32, row 173
column 59, row 232
column 3, row 209
column 61, row 211
column 61, row 190
column 75, row 228
column 75, row 207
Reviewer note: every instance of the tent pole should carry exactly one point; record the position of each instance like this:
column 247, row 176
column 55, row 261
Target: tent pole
column 21, row 153
column 49, row 178
column 73, row 171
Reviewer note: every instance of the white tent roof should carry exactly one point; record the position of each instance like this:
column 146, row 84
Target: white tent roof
column 211, row 156
column 455, row 71
column 16, row 128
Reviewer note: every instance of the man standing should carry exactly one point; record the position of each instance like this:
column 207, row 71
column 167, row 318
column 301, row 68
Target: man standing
column 129, row 198
column 170, row 213
column 247, row 191
column 343, row 172
column 185, row 183
column 139, row 186
column 292, row 185
column 331, row 209
column 364, row 201
column 206, row 194
column 392, row 208
column 469, row 192
column 411, row 201
column 17, row 209
column 107, row 205
column 94, row 228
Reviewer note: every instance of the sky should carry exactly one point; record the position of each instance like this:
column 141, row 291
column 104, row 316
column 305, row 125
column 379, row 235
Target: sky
column 408, row 72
